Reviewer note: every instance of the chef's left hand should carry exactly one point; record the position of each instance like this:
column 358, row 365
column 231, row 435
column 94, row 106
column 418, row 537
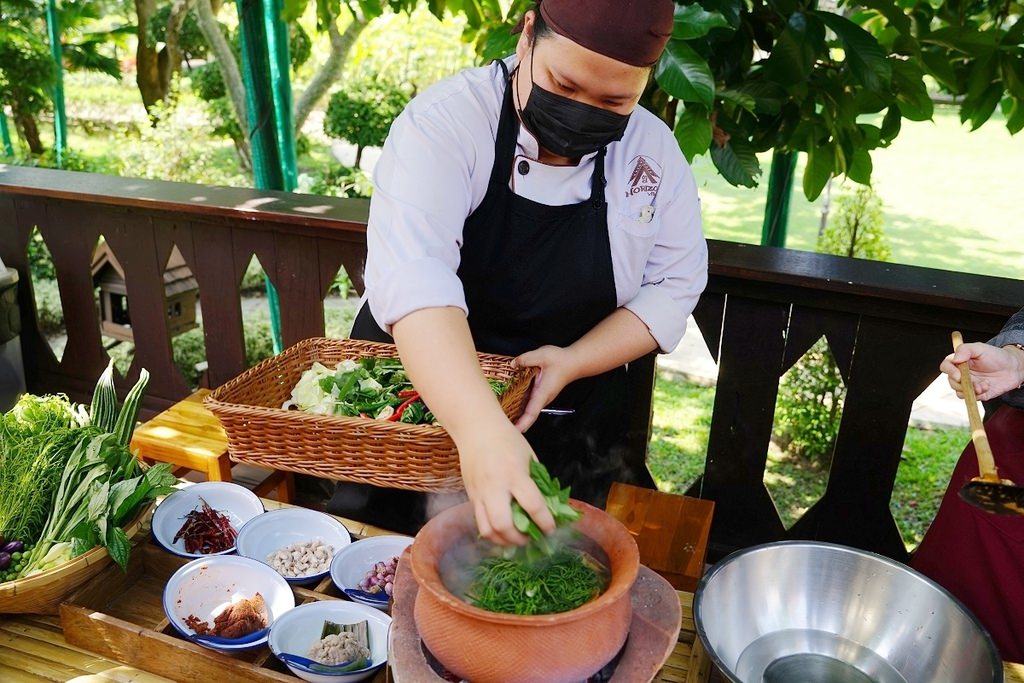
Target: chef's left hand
column 557, row 369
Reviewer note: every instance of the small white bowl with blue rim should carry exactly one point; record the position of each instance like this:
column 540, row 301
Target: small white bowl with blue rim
column 205, row 587
column 237, row 503
column 276, row 529
column 297, row 630
column 353, row 563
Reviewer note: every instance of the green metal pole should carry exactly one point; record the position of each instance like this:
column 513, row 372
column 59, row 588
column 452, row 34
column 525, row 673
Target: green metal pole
column 280, row 64
column 265, row 67
column 5, row 134
column 780, row 189
column 60, row 124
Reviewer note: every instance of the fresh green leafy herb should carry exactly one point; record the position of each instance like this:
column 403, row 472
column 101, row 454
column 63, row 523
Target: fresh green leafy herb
column 557, row 500
column 556, row 583
column 94, row 484
column 545, row 576
column 89, row 502
column 36, row 438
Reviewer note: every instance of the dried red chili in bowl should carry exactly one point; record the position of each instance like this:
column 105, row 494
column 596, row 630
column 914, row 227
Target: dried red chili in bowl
column 234, row 504
column 206, row 531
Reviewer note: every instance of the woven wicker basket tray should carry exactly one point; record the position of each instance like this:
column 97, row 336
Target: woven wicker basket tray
column 391, row 454
column 43, row 592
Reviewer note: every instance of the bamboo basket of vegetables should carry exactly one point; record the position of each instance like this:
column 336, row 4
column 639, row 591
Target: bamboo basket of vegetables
column 71, row 493
column 42, row 593
column 364, row 443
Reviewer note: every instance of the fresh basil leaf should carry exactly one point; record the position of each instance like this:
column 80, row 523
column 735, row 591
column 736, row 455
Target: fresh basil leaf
column 118, row 545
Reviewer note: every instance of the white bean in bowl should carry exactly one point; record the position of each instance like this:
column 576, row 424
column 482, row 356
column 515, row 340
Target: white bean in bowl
column 301, row 559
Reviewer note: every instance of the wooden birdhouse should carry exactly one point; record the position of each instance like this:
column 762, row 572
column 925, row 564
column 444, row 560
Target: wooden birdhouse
column 181, row 292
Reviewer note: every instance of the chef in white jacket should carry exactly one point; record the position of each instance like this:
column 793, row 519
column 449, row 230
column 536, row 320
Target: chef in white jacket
column 531, row 208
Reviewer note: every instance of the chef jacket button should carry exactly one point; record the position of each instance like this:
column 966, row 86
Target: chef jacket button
column 523, row 167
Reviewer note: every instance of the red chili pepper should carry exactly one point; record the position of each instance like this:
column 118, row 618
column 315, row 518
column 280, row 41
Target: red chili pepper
column 407, row 393
column 206, row 531
column 401, row 409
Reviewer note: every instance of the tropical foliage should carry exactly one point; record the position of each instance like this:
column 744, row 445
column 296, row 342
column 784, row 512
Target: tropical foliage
column 790, row 75
column 739, row 77
column 27, row 71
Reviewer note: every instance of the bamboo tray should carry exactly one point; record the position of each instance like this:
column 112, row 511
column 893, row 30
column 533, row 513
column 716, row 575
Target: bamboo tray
column 43, row 592
column 119, row 615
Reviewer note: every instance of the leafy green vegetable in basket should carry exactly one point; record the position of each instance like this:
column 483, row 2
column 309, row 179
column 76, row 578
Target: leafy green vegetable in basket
column 375, row 388
column 101, row 486
column 97, row 483
column 36, row 438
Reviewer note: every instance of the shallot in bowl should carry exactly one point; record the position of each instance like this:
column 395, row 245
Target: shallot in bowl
column 365, row 570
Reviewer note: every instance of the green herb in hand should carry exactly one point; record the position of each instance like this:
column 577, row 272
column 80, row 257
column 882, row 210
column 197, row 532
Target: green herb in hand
column 544, row 576
column 557, row 500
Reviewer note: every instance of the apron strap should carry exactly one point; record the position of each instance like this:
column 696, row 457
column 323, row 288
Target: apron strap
column 505, row 140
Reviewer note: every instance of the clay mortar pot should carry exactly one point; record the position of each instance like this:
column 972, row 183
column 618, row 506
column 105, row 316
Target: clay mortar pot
column 485, row 647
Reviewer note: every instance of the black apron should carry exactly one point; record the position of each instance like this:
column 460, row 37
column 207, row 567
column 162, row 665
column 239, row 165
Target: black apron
column 533, row 275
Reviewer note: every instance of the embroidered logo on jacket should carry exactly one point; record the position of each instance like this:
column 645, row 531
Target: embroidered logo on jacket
column 645, row 178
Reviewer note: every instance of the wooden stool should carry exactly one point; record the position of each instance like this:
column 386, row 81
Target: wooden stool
column 188, row 436
column 671, row 531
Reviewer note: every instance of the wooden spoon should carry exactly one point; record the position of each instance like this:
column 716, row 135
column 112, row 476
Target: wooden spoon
column 986, row 491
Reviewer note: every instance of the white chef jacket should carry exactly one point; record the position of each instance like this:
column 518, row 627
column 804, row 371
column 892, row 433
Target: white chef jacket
column 433, row 173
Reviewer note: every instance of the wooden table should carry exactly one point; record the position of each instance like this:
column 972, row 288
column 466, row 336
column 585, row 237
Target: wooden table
column 33, row 649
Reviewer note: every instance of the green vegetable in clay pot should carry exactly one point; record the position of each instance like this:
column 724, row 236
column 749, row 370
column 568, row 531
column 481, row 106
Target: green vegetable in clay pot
column 547, row 575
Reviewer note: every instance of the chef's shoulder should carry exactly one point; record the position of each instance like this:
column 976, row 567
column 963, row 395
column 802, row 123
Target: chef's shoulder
column 464, row 106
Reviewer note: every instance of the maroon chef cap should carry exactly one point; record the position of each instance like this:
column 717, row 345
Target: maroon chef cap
column 629, row 31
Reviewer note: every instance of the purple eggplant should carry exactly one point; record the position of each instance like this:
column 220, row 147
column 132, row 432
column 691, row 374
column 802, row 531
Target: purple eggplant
column 13, row 547
column 5, row 560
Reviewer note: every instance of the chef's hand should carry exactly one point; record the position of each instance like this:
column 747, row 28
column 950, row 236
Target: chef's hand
column 994, row 370
column 495, row 465
column 557, row 369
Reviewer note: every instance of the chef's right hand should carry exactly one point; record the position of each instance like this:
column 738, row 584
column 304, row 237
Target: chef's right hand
column 994, row 370
column 495, row 465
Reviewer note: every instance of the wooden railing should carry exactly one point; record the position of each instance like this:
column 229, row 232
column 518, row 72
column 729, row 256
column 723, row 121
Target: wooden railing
column 888, row 326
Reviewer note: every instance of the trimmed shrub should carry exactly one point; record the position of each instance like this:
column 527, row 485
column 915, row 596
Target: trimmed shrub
column 362, row 113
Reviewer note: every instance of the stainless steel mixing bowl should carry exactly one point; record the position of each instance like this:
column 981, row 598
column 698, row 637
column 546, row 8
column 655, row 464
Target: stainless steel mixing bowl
column 804, row 612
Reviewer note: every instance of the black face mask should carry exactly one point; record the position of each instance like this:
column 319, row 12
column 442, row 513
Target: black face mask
column 566, row 127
